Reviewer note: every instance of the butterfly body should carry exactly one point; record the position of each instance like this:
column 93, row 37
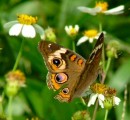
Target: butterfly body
column 68, row 72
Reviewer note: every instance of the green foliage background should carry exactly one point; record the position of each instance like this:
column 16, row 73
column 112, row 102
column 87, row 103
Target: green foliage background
column 36, row 99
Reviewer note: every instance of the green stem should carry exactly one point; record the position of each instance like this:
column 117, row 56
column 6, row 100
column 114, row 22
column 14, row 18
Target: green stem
column 106, row 114
column 95, row 111
column 18, row 57
column 10, row 108
column 1, row 108
column 100, row 27
column 108, row 65
column 107, row 68
column 82, row 100
column 1, row 104
column 74, row 46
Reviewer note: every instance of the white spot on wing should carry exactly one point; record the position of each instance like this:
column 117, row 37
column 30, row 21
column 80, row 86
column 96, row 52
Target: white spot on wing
column 49, row 45
column 58, row 55
column 97, row 48
column 94, row 52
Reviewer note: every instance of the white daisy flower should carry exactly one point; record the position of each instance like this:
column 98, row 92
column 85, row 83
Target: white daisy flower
column 25, row 25
column 72, row 31
column 102, row 7
column 89, row 35
column 93, row 98
column 105, row 95
column 97, row 93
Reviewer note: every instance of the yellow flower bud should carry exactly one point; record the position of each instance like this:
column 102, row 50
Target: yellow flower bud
column 112, row 48
column 50, row 35
column 81, row 115
column 108, row 103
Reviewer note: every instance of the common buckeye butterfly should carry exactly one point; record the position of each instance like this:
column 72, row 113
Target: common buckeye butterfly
column 70, row 73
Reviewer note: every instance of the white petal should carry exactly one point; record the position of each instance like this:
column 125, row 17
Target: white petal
column 10, row 24
column 96, row 37
column 40, row 30
column 70, row 27
column 101, row 97
column 115, row 11
column 90, row 40
column 82, row 40
column 92, row 99
column 116, row 100
column 28, row 31
column 77, row 28
column 101, row 103
column 67, row 29
column 15, row 29
column 92, row 11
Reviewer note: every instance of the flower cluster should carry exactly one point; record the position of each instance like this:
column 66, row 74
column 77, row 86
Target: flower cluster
column 104, row 94
column 89, row 35
column 26, row 25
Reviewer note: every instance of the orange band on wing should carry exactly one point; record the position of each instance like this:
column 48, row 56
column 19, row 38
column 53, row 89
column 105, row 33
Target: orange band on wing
column 73, row 57
column 54, row 67
column 64, row 95
column 54, row 83
column 80, row 62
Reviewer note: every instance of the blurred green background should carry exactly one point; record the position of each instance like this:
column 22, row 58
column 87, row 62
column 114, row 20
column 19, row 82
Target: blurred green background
column 36, row 100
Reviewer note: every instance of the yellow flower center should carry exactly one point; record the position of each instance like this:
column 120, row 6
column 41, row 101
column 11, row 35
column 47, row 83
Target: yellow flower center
column 73, row 31
column 98, row 88
column 16, row 76
column 103, row 5
column 91, row 33
column 27, row 20
column 110, row 92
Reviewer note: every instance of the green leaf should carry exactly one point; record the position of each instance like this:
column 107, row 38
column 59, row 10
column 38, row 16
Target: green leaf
column 121, row 76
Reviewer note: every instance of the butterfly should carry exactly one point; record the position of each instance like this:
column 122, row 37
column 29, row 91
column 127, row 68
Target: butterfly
column 69, row 73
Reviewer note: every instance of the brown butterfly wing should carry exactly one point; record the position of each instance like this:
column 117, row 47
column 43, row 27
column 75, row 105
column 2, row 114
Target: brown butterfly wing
column 65, row 68
column 76, row 73
column 90, row 72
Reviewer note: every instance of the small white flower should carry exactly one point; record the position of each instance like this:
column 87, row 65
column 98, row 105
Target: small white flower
column 72, row 31
column 105, row 95
column 25, row 25
column 116, row 100
column 93, row 98
column 101, row 7
column 89, row 35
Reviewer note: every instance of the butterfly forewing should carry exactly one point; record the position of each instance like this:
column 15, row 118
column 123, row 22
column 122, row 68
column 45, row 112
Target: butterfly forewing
column 90, row 72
